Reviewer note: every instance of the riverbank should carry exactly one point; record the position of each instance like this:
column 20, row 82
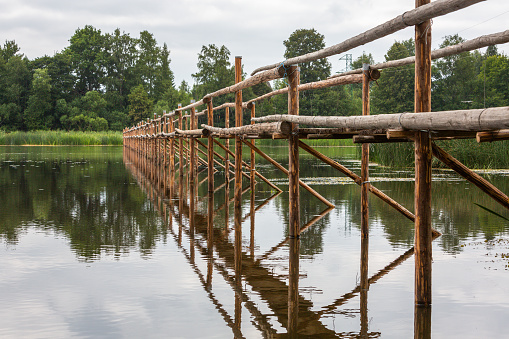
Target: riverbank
column 61, row 138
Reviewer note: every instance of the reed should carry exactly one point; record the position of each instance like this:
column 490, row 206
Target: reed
column 54, row 138
column 469, row 152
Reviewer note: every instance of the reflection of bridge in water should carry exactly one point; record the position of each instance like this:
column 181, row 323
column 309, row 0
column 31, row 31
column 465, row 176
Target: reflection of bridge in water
column 292, row 311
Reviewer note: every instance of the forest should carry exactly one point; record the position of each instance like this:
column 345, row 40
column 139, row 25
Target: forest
column 107, row 81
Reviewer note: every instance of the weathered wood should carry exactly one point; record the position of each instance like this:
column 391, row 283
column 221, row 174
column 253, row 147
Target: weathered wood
column 471, row 176
column 253, row 164
column 237, row 194
column 401, row 135
column 409, row 18
column 210, row 148
column 492, row 136
column 293, row 155
column 365, row 164
column 227, row 143
column 264, row 128
column 285, row 171
column 462, row 120
column 377, row 139
column 469, row 45
column 192, row 132
column 423, row 157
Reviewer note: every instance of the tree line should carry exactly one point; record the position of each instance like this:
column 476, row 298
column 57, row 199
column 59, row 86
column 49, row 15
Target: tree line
column 107, row 81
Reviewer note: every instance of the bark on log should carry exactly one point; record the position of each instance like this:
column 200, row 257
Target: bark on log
column 198, row 132
column 409, row 18
column 462, row 120
column 263, row 128
column 470, row 45
column 492, row 136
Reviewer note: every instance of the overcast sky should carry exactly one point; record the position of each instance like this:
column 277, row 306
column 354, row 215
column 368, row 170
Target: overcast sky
column 254, row 30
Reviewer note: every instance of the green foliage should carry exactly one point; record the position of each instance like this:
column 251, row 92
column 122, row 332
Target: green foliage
column 140, row 105
column 303, row 41
column 38, row 113
column 394, row 91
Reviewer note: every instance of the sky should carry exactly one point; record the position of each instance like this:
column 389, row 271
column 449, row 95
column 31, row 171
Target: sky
column 254, row 30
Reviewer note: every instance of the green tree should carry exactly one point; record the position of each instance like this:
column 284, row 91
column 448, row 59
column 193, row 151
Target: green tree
column 214, row 71
column 86, row 50
column 140, row 104
column 38, row 113
column 303, row 41
column 453, row 79
column 15, row 80
column 494, row 79
column 395, row 90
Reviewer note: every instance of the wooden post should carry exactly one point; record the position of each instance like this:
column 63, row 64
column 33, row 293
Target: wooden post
column 293, row 153
column 365, row 157
column 192, row 146
column 253, row 169
column 227, row 145
column 423, row 157
column 238, row 143
column 238, row 174
column 210, row 148
column 171, row 155
column 181, row 148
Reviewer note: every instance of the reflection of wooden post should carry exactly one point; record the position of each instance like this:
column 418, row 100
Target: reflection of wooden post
column 365, row 157
column 252, row 219
column 293, row 288
column 293, row 153
column 210, row 238
column 364, row 286
column 423, row 158
column 422, row 322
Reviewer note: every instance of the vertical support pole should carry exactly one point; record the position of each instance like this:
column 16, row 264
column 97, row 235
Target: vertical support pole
column 171, row 155
column 192, row 147
column 238, row 174
column 227, row 145
column 365, row 158
column 293, row 153
column 423, row 156
column 210, row 148
column 181, row 148
column 253, row 170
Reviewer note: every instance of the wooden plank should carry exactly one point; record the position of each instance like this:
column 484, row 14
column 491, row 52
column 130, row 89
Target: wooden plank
column 487, row 119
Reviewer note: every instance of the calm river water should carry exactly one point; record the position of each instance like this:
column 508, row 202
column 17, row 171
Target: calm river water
column 95, row 247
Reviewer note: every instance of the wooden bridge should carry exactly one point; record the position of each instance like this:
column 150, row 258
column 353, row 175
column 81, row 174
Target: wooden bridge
column 163, row 153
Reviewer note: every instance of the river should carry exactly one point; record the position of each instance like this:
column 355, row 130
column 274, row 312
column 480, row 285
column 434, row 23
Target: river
column 95, row 247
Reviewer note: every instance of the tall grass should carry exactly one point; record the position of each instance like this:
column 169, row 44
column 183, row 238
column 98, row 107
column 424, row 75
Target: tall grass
column 54, row 138
column 467, row 151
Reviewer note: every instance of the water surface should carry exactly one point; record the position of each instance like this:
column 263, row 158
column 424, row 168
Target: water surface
column 96, row 244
